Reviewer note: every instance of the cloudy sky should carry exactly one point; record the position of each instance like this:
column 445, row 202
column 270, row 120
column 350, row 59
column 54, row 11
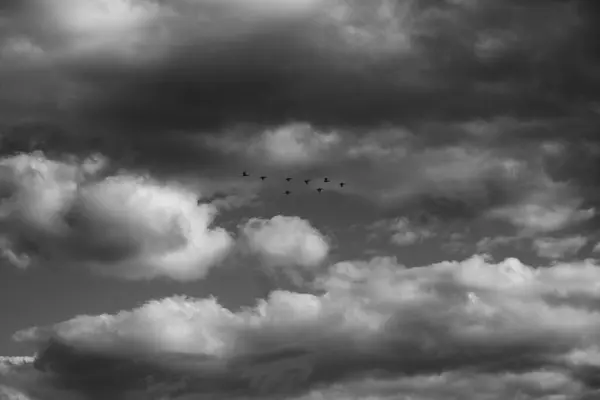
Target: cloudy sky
column 461, row 260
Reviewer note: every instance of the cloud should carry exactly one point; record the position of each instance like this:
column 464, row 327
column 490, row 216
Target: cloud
column 402, row 232
column 559, row 247
column 290, row 146
column 339, row 63
column 475, row 321
column 487, row 244
column 287, row 244
column 342, row 87
column 513, row 386
column 540, row 218
column 126, row 226
column 442, row 114
column 295, row 144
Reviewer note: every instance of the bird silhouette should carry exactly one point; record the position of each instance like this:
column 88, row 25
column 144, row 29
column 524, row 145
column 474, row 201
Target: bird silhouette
column 319, row 190
column 326, row 180
column 262, row 178
column 245, row 173
column 288, row 179
column 342, row 184
column 287, row 192
column 306, row 181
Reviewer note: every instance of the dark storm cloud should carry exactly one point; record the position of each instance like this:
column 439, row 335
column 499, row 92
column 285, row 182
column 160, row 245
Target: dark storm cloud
column 151, row 84
column 460, row 62
column 453, row 60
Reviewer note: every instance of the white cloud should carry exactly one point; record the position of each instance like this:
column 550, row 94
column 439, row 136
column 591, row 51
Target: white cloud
column 124, row 226
column 285, row 241
column 373, row 315
column 559, row 247
column 294, row 144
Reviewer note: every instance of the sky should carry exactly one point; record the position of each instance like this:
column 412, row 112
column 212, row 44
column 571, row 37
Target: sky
column 461, row 259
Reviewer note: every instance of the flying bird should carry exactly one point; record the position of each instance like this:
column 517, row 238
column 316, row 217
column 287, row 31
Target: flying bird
column 326, row 180
column 287, row 192
column 306, row 181
column 342, row 184
column 319, row 190
column 262, row 178
column 288, row 179
column 245, row 173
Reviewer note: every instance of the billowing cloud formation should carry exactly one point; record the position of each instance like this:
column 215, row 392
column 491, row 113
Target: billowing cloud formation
column 481, row 114
column 448, row 105
column 123, row 225
column 384, row 325
column 285, row 241
column 295, row 144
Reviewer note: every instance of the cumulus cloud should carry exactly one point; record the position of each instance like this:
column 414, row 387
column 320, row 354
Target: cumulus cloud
column 289, row 146
column 473, row 320
column 124, row 225
column 282, row 243
column 295, row 144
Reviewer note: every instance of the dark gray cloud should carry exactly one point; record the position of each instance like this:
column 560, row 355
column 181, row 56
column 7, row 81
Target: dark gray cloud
column 444, row 61
column 536, row 62
column 151, row 84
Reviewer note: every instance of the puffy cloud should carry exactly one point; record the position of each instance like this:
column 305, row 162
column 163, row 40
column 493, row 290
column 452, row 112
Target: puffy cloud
column 295, row 144
column 559, row 247
column 123, row 225
column 284, row 241
column 289, row 146
column 471, row 321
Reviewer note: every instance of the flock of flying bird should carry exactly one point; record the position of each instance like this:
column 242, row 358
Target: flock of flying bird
column 306, row 182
